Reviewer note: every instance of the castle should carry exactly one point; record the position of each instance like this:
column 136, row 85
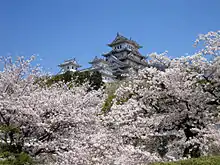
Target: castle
column 115, row 64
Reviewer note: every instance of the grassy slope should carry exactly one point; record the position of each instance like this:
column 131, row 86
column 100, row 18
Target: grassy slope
column 211, row 160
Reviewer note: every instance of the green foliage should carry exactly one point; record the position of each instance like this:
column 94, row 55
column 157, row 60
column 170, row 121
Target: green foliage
column 121, row 101
column 79, row 78
column 203, row 81
column 108, row 103
column 9, row 158
column 11, row 147
column 10, row 137
column 211, row 160
column 7, row 129
column 110, row 89
column 95, row 80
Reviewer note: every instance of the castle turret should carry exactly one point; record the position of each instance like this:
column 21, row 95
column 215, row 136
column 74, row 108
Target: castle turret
column 69, row 65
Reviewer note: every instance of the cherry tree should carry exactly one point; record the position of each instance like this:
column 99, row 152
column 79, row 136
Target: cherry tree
column 45, row 117
column 57, row 124
column 211, row 43
column 165, row 112
column 171, row 111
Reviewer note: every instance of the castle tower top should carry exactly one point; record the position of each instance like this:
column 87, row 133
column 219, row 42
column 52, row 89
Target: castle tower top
column 119, row 39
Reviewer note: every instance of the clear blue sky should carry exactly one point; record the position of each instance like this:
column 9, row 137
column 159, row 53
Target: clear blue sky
column 57, row 30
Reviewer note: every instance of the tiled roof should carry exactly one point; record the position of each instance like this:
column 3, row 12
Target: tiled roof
column 135, row 52
column 133, row 58
column 97, row 60
column 69, row 62
column 120, row 39
column 116, row 60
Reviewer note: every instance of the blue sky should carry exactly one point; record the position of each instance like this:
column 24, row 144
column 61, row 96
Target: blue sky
column 57, row 30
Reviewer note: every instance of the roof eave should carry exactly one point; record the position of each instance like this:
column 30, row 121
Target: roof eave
column 127, row 41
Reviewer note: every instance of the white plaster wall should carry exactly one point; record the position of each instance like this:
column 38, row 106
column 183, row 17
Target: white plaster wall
column 65, row 68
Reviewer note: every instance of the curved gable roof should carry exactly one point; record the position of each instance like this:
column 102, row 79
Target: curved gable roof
column 121, row 39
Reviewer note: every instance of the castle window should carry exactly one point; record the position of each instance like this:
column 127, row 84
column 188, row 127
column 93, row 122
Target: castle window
column 72, row 67
column 67, row 67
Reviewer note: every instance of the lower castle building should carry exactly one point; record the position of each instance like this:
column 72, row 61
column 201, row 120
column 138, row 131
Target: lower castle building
column 104, row 68
column 69, row 65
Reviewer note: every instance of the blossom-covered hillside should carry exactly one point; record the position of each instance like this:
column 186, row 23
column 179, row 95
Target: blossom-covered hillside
column 166, row 112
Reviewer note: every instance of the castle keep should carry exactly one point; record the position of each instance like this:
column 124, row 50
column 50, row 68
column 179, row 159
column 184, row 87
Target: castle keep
column 117, row 63
column 124, row 55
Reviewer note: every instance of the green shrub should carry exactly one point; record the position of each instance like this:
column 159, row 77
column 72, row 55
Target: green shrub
column 210, row 160
column 121, row 101
column 108, row 103
column 79, row 78
column 110, row 89
column 95, row 80
column 9, row 158
column 11, row 147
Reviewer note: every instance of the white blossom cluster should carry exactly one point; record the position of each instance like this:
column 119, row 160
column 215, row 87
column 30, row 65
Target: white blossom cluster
column 171, row 111
column 211, row 42
column 161, row 114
